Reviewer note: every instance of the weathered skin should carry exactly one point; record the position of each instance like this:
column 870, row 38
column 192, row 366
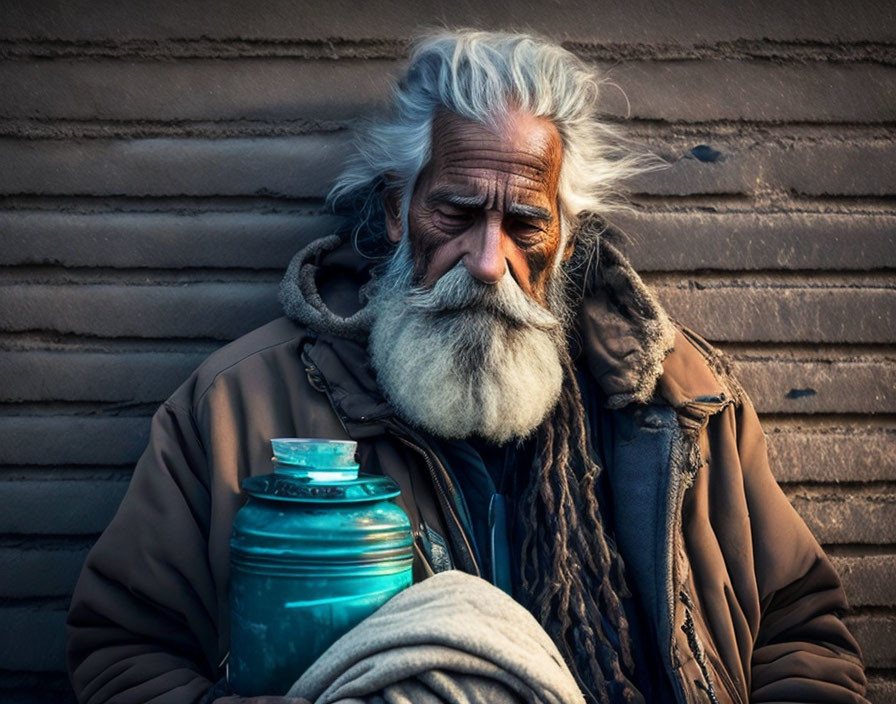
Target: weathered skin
column 488, row 198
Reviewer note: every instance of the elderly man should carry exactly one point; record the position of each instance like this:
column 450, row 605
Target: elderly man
column 500, row 352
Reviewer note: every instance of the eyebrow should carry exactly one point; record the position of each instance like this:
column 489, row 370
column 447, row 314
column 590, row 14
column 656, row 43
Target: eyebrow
column 518, row 209
column 529, row 211
column 443, row 195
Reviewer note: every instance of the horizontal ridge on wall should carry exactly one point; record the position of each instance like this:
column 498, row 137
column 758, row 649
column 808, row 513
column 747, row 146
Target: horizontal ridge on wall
column 666, row 238
column 780, row 383
column 323, row 21
column 802, row 448
column 881, row 52
column 336, row 92
column 39, row 638
column 735, row 311
column 304, row 167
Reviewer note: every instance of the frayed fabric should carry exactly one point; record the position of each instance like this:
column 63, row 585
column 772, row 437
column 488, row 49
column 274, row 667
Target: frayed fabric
column 650, row 325
column 626, row 333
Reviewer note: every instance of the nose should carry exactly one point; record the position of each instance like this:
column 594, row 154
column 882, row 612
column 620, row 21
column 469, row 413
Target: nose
column 485, row 258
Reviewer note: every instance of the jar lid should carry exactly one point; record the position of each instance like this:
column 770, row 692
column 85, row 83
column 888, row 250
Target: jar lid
column 314, row 470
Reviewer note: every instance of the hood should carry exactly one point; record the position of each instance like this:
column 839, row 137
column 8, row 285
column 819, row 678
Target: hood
column 625, row 333
column 331, row 304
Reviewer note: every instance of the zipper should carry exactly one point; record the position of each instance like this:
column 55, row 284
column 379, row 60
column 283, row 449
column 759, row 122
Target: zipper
column 315, row 379
column 725, row 678
column 446, row 503
column 421, row 555
column 709, row 664
column 677, row 487
column 689, row 628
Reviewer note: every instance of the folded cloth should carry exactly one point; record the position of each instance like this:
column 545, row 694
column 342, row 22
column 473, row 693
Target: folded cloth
column 451, row 639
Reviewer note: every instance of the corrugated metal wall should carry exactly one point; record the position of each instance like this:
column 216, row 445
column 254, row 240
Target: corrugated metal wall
column 161, row 161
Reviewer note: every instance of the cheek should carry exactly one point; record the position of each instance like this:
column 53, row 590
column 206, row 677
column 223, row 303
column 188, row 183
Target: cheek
column 427, row 242
column 539, row 261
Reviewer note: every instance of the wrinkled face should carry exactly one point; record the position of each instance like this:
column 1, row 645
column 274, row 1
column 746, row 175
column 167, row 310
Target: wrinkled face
column 489, row 200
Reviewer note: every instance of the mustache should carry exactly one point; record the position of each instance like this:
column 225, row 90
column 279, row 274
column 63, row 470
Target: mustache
column 458, row 291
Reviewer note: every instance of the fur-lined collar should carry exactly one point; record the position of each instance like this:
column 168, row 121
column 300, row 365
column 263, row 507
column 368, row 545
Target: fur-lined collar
column 626, row 334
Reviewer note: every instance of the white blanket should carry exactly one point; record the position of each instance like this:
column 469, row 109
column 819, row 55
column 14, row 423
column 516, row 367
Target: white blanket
column 451, row 639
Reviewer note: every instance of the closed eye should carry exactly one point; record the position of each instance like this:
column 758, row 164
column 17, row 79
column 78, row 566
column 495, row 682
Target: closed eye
column 454, row 218
column 526, row 233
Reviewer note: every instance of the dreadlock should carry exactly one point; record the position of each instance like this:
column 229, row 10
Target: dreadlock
column 572, row 578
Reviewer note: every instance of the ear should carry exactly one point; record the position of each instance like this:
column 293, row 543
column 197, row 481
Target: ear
column 392, row 208
column 569, row 247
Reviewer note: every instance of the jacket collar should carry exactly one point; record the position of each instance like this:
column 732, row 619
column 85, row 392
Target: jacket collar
column 628, row 342
column 625, row 332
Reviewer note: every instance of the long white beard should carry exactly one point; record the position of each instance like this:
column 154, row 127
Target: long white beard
column 464, row 358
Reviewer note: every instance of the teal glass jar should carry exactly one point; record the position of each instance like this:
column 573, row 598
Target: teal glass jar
column 315, row 550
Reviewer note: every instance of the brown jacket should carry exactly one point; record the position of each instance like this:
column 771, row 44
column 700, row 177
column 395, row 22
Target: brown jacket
column 740, row 596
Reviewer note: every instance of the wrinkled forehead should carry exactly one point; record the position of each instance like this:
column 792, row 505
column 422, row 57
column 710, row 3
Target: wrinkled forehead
column 521, row 148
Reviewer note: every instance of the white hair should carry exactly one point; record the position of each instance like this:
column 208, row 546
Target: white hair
column 483, row 76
